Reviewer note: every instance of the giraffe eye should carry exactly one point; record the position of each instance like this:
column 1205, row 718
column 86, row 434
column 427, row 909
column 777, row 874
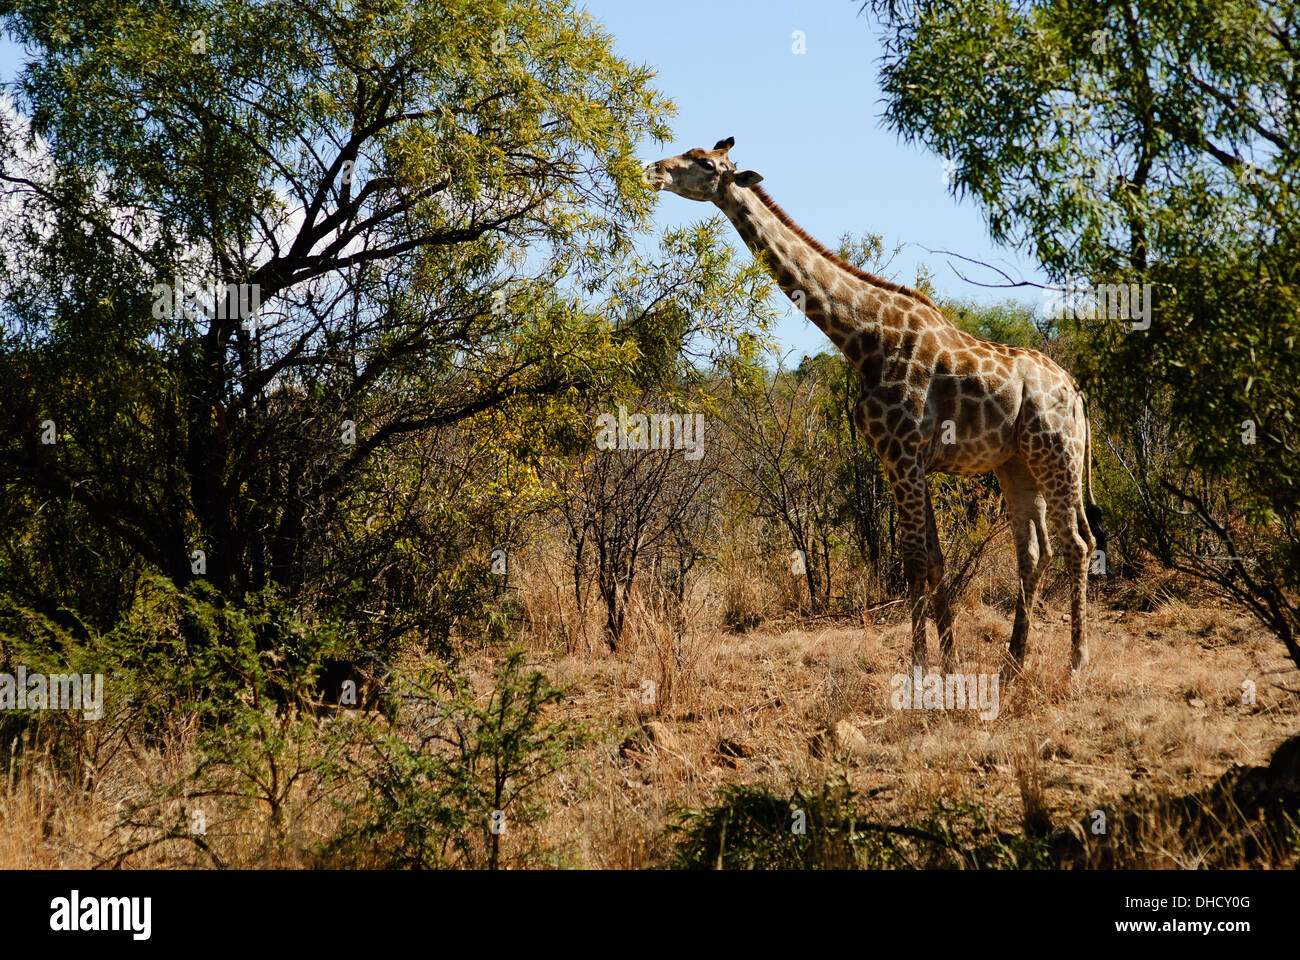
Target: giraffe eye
column 707, row 164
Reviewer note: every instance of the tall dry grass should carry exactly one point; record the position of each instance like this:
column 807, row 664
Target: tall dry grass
column 735, row 684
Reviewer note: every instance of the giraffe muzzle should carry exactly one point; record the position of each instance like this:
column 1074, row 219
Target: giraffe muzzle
column 654, row 176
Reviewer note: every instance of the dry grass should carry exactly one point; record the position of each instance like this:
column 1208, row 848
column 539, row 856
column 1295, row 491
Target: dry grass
column 1159, row 710
column 687, row 705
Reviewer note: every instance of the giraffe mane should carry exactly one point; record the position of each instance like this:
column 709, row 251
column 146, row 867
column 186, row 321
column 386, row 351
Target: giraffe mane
column 838, row 261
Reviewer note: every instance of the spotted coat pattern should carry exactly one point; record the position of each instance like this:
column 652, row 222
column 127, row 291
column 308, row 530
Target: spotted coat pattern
column 934, row 398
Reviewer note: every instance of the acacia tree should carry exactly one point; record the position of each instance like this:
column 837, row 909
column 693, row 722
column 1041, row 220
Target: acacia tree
column 1147, row 142
column 426, row 199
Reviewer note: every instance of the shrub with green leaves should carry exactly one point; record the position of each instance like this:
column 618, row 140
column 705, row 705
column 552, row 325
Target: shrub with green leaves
column 822, row 827
column 460, row 790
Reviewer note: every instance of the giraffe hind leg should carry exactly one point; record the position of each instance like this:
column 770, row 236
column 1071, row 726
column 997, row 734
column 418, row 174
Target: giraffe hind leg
column 1079, row 586
column 1069, row 519
column 1028, row 513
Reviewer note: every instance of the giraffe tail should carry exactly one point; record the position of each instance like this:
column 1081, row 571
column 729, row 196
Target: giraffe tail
column 1090, row 509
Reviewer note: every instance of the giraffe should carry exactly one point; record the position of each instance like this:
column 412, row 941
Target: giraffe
column 934, row 398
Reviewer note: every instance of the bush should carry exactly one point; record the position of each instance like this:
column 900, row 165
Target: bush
column 821, row 828
column 447, row 794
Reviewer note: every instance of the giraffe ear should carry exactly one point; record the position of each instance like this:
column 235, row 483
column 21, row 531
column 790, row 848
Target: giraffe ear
column 748, row 178
column 725, row 144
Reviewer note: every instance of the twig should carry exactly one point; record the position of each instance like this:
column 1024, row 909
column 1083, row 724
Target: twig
column 1011, row 283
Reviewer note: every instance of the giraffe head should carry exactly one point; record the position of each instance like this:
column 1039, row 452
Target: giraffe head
column 700, row 174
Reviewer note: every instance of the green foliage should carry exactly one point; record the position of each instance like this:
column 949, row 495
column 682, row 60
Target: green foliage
column 492, row 187
column 181, row 653
column 822, row 828
column 1005, row 322
column 752, row 828
column 1147, row 143
column 244, row 679
column 462, row 790
column 480, row 158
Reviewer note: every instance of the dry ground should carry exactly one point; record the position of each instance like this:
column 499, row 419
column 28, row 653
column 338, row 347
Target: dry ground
column 1159, row 708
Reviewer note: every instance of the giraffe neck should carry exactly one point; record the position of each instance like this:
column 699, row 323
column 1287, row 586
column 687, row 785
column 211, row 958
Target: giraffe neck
column 840, row 299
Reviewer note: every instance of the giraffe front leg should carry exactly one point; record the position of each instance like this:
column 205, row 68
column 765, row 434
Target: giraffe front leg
column 943, row 621
column 908, row 481
column 914, row 568
column 938, row 586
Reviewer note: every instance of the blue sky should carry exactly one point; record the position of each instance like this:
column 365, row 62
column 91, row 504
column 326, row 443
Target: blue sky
column 809, row 123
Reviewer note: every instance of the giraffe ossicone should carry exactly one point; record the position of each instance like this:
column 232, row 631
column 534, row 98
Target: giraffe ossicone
column 934, row 398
